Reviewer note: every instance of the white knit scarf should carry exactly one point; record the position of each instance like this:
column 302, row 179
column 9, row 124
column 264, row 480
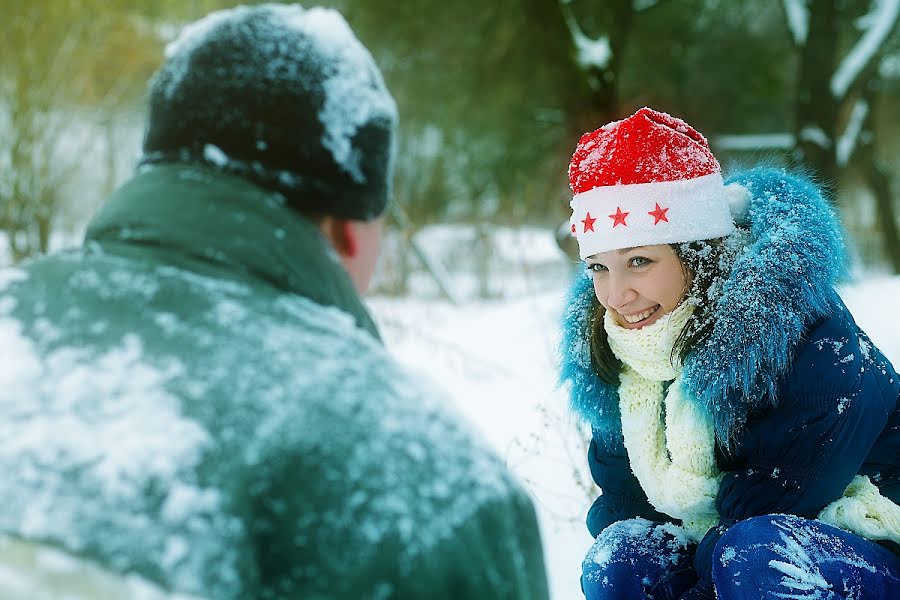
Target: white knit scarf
column 673, row 458
column 864, row 511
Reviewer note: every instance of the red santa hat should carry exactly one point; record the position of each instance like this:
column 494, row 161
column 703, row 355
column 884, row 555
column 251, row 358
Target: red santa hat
column 648, row 179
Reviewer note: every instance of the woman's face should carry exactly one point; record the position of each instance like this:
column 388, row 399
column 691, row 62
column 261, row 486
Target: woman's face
column 638, row 285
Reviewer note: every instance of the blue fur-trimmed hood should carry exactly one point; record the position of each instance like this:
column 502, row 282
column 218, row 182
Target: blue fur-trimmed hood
column 781, row 282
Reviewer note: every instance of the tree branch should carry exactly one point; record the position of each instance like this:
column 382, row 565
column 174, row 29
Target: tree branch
column 881, row 21
column 796, row 15
column 590, row 53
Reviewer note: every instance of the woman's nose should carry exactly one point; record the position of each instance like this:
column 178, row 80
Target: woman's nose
column 620, row 291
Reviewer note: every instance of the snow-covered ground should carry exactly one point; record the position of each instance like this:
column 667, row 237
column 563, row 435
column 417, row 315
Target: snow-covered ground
column 496, row 359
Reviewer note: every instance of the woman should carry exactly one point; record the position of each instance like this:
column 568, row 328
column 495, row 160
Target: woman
column 746, row 433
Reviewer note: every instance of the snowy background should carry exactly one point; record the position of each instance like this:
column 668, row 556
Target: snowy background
column 496, row 359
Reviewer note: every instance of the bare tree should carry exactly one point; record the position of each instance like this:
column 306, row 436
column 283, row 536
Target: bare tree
column 877, row 175
column 74, row 66
column 600, row 54
column 834, row 98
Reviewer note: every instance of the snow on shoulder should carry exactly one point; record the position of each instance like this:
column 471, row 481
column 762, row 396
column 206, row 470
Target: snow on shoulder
column 353, row 88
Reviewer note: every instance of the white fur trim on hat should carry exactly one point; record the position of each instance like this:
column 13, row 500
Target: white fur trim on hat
column 646, row 214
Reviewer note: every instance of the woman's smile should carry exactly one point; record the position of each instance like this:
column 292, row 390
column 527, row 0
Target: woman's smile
column 641, row 319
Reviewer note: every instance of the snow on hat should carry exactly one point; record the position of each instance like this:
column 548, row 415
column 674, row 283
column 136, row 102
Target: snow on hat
column 648, row 179
column 284, row 96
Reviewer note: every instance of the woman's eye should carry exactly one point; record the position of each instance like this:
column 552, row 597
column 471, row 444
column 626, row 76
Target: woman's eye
column 639, row 261
column 596, row 268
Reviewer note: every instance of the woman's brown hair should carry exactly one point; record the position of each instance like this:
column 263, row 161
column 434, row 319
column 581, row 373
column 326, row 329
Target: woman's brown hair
column 705, row 264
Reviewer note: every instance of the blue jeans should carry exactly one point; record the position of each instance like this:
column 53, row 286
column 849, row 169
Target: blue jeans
column 782, row 556
column 774, row 556
column 638, row 558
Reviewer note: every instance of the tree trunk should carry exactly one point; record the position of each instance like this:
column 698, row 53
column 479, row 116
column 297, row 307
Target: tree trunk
column 483, row 251
column 603, row 101
column 878, row 179
column 816, row 111
column 879, row 182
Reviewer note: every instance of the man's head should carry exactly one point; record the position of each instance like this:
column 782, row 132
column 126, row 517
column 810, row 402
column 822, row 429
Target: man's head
column 286, row 97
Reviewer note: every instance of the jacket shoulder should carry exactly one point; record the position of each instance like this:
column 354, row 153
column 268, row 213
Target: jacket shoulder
column 837, row 360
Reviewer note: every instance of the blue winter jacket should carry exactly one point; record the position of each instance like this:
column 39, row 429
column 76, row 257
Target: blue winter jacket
column 801, row 399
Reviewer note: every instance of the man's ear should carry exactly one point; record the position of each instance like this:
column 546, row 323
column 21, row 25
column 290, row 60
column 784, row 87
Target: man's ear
column 342, row 235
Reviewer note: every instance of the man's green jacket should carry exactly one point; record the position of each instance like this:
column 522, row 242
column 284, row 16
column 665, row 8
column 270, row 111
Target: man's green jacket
column 197, row 398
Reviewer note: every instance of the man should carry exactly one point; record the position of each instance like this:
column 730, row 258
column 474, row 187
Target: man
column 196, row 404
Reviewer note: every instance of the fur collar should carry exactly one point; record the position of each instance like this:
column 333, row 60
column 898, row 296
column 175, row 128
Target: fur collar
column 780, row 284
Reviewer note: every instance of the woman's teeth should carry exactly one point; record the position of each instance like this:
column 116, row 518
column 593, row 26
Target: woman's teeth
column 640, row 316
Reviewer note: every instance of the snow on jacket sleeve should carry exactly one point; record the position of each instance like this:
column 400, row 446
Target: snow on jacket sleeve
column 800, row 455
column 622, row 496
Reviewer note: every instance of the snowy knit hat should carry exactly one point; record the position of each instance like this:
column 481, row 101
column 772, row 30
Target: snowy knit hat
column 284, row 96
column 648, row 179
